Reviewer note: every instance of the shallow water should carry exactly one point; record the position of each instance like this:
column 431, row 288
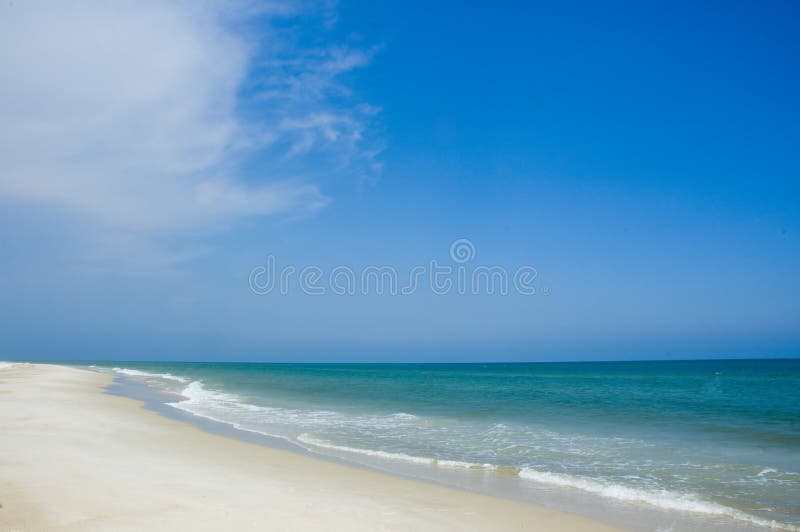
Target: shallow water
column 716, row 440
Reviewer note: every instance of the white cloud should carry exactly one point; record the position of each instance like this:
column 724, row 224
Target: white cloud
column 293, row 84
column 126, row 113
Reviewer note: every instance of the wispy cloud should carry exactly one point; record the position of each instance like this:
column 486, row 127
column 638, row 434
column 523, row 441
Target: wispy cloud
column 311, row 108
column 129, row 116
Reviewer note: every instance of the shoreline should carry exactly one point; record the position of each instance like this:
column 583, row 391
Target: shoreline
column 613, row 505
column 78, row 458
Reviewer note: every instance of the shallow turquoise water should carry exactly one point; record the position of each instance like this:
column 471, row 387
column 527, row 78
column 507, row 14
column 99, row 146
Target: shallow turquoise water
column 719, row 438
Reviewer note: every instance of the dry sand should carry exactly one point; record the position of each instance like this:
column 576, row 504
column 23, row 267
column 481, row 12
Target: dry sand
column 75, row 458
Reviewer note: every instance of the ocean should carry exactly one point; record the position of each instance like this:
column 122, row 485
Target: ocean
column 693, row 444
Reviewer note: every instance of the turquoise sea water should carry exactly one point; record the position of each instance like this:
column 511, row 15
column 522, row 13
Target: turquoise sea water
column 706, row 438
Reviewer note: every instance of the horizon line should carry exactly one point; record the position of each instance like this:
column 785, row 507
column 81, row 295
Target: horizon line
column 54, row 361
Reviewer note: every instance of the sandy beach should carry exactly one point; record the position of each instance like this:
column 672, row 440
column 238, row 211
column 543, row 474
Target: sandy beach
column 75, row 458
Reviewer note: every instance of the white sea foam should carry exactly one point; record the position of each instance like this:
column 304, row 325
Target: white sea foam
column 667, row 500
column 235, row 411
column 456, row 464
column 13, row 365
column 199, row 401
column 402, row 416
column 147, row 375
column 197, row 394
column 230, row 409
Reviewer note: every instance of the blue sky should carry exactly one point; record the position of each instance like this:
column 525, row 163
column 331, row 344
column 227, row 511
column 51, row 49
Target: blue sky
column 642, row 157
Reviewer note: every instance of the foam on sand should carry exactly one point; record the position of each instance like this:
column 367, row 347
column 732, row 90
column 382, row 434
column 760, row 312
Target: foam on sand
column 63, row 437
column 456, row 464
column 667, row 500
column 235, row 411
column 6, row 365
column 146, row 375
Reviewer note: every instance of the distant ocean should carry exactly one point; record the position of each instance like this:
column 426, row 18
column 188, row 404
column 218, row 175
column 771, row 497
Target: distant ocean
column 712, row 439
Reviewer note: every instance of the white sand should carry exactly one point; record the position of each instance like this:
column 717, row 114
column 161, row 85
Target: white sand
column 74, row 458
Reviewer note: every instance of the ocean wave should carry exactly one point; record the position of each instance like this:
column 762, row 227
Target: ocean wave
column 232, row 410
column 147, row 375
column 664, row 499
column 196, row 393
column 236, row 412
column 198, row 399
column 402, row 416
column 455, row 464
column 7, row 365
